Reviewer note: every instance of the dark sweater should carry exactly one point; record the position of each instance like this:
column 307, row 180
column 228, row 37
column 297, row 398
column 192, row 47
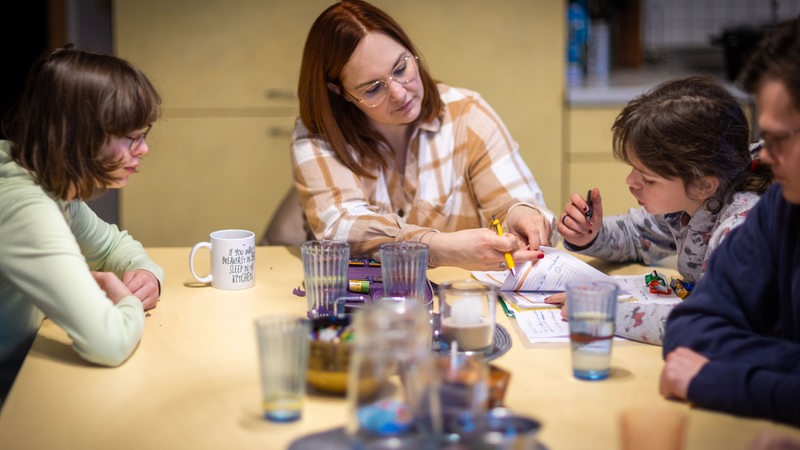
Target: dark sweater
column 744, row 315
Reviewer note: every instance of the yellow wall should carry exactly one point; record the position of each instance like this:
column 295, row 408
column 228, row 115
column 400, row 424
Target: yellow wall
column 227, row 70
column 589, row 162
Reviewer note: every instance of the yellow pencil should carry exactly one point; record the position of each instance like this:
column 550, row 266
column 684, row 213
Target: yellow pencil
column 509, row 260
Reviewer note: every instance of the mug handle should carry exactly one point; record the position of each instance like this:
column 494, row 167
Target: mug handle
column 199, row 245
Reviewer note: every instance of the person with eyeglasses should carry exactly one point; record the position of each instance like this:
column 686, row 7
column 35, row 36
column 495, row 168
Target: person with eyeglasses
column 381, row 152
column 80, row 127
column 734, row 344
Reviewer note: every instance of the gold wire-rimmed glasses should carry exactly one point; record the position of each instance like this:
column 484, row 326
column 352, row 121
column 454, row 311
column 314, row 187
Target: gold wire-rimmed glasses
column 137, row 141
column 376, row 92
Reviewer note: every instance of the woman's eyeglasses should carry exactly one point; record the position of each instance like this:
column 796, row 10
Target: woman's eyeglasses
column 376, row 92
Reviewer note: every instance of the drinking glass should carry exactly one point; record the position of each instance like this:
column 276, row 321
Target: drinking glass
column 283, row 344
column 325, row 273
column 591, row 308
column 404, row 267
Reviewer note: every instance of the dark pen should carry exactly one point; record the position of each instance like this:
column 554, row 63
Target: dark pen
column 589, row 212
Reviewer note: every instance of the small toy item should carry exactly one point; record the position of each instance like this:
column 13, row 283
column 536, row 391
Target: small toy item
column 682, row 288
column 657, row 284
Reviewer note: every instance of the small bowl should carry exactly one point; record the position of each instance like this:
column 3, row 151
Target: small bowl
column 329, row 361
column 328, row 365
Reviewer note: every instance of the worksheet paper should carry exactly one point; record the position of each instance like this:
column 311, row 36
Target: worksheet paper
column 543, row 325
column 535, row 282
column 542, row 322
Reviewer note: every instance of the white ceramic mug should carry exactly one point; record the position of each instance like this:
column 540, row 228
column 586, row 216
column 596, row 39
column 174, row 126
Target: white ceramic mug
column 233, row 259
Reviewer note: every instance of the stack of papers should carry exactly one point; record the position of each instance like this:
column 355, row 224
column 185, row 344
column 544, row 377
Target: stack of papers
column 542, row 322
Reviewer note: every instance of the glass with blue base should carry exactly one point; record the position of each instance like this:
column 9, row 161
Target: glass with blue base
column 283, row 344
column 591, row 309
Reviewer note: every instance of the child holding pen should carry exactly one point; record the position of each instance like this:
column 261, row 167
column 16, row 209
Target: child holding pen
column 692, row 173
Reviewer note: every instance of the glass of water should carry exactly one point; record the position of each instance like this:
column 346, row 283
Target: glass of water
column 591, row 309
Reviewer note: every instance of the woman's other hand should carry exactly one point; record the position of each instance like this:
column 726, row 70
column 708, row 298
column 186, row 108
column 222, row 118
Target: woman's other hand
column 532, row 228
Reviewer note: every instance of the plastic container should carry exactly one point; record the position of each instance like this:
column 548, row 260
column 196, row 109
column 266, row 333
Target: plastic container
column 578, row 23
column 599, row 54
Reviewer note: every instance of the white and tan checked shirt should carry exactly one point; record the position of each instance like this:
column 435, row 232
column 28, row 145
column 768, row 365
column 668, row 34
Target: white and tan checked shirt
column 461, row 168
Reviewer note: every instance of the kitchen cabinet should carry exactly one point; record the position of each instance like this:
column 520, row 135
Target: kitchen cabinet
column 227, row 71
column 227, row 74
column 589, row 160
column 208, row 173
column 216, row 55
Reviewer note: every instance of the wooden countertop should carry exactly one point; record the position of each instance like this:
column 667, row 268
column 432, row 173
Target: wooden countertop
column 193, row 381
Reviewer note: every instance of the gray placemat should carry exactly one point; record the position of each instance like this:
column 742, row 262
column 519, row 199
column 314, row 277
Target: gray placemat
column 336, row 439
column 502, row 342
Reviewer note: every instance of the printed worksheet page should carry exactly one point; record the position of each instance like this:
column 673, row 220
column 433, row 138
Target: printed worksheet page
column 550, row 273
column 525, row 293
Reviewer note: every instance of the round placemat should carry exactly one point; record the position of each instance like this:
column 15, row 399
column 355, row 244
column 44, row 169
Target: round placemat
column 502, row 342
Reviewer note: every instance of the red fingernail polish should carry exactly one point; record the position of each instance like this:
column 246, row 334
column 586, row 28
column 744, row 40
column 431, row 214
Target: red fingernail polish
column 541, row 255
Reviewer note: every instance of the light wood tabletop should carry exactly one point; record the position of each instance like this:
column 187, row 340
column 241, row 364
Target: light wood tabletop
column 193, row 381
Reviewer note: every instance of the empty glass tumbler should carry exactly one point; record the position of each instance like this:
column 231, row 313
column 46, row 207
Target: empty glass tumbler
column 404, row 269
column 325, row 273
column 283, row 344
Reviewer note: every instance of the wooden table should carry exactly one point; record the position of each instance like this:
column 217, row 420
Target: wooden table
column 193, row 381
